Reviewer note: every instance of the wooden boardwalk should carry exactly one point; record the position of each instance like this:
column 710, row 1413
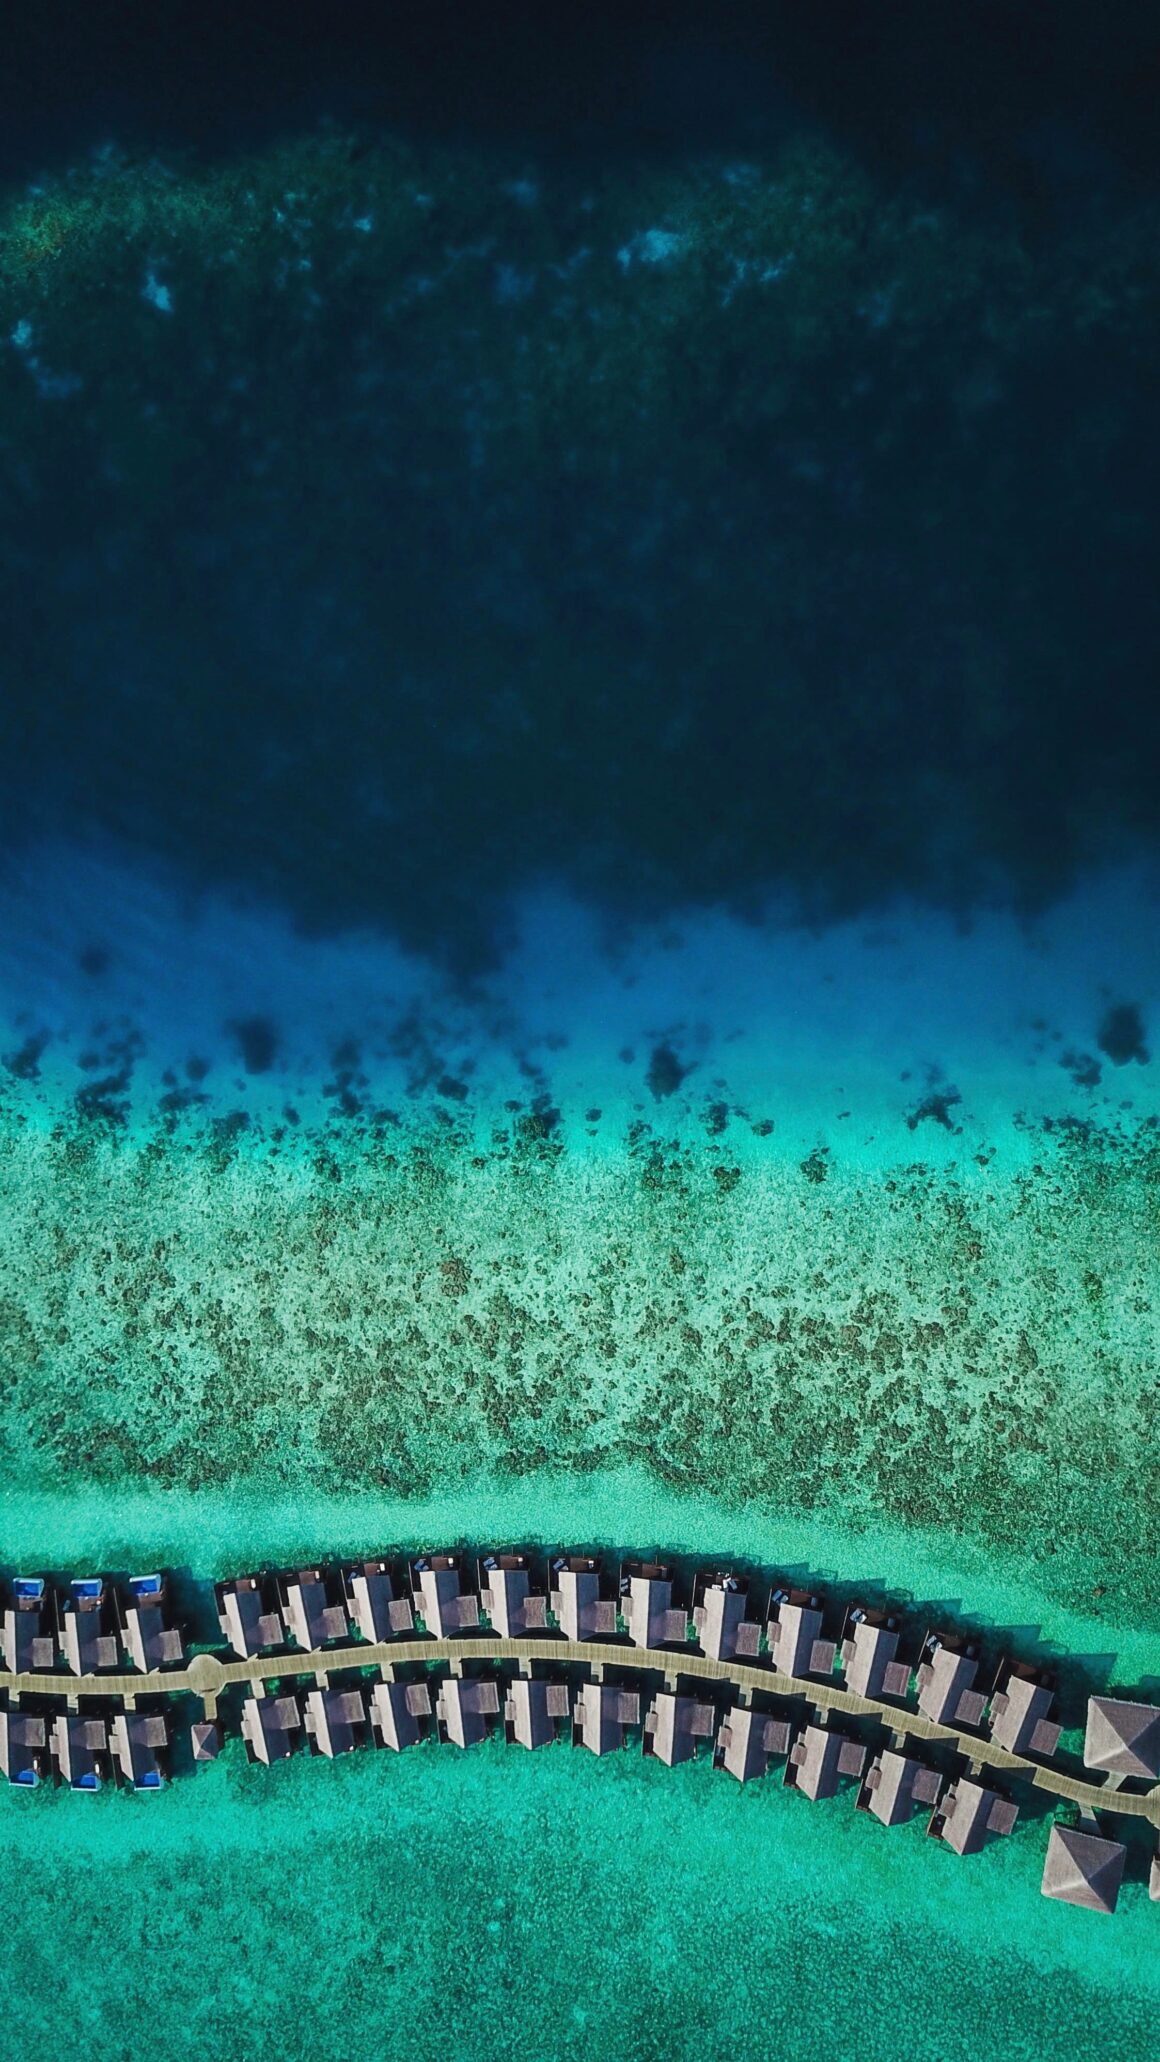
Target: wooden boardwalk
column 207, row 1675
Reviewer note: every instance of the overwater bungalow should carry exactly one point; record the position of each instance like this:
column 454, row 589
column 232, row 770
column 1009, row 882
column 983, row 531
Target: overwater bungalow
column 646, row 1605
column 577, row 1598
column 505, row 1592
column 819, row 1758
column 439, row 1601
column 398, row 1710
column 85, row 1626
column 794, row 1634
column 312, row 1616
column 336, row 1721
column 722, row 1628
column 27, row 1631
column 248, row 1615
column 1122, row 1738
column 140, row 1740
column 206, row 1739
column 269, row 1726
column 466, row 1710
column 372, row 1604
column 869, row 1645
column 22, row 1744
column 1017, row 1715
column 1154, row 1879
column 601, row 1716
column 946, row 1672
column 534, row 1710
column 673, row 1725
column 149, row 1637
column 1083, row 1869
column 747, row 1740
column 969, row 1814
column 80, row 1749
column 895, row 1785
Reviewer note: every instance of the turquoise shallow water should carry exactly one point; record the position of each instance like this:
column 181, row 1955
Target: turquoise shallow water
column 499, row 1904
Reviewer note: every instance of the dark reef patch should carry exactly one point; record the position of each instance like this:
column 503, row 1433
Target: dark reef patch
column 24, row 1063
column 1084, row 1068
column 935, row 1108
column 665, row 1071
column 257, row 1041
column 1121, row 1034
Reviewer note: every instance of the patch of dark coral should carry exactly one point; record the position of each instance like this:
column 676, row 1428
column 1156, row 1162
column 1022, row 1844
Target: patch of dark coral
column 935, row 1108
column 665, row 1071
column 257, row 1040
column 1121, row 1034
column 1084, row 1068
column 24, row 1063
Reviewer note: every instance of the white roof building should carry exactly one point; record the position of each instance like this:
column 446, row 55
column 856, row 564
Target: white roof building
column 819, row 1758
column 138, row 1740
column 673, row 1725
column 646, row 1605
column 336, row 1720
column 443, row 1608
column 247, row 1619
column 465, row 1709
column 747, row 1739
column 269, row 1725
column 600, row 1716
column 506, row 1596
column 311, row 1619
column 576, row 1602
column 396, row 1711
column 372, row 1604
column 533, row 1711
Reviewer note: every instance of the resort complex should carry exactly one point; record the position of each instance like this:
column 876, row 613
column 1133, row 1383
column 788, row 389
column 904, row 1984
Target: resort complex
column 100, row 1681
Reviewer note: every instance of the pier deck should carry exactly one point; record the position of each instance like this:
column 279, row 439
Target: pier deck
column 207, row 1675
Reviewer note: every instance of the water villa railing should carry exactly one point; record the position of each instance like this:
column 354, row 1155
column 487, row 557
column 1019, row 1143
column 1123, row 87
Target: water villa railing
column 348, row 1656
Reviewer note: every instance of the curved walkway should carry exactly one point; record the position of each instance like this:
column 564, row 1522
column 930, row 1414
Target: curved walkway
column 207, row 1675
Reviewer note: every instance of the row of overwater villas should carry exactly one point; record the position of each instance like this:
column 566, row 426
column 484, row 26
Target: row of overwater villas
column 93, row 1626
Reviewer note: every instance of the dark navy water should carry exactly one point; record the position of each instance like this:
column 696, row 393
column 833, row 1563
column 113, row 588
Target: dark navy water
column 882, row 619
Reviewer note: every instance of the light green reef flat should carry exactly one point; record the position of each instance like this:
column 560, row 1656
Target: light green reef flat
column 954, row 1350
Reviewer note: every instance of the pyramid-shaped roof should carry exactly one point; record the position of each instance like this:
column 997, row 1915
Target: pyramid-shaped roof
column 1083, row 1869
column 1122, row 1738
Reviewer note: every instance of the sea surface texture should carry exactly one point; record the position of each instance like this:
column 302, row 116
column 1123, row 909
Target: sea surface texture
column 579, row 870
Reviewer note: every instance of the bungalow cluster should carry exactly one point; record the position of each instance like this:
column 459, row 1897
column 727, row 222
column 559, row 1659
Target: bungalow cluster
column 569, row 1645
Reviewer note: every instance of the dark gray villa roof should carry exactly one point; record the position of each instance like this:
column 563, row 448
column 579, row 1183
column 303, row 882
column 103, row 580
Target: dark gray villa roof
column 1122, row 1738
column 1083, row 1869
